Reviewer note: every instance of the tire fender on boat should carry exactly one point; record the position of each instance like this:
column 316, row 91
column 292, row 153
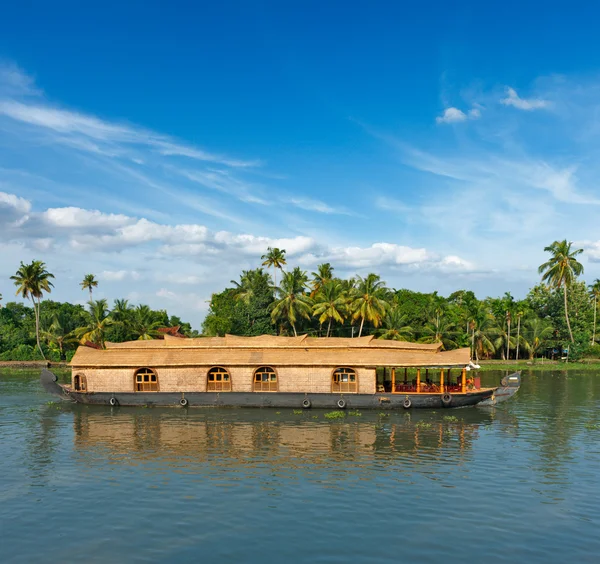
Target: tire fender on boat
column 183, row 402
column 447, row 400
column 341, row 403
column 113, row 401
column 407, row 403
column 306, row 403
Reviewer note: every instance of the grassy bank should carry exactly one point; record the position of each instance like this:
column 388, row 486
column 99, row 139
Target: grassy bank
column 549, row 365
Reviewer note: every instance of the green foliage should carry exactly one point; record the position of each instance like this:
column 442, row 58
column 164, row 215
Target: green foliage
column 243, row 310
column 21, row 353
column 558, row 314
column 335, row 415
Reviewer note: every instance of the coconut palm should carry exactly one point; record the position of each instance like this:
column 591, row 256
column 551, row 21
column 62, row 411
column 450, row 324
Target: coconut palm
column 520, row 314
column 89, row 281
column 98, row 320
column 535, row 331
column 483, row 329
column 122, row 311
column 330, row 303
column 32, row 280
column 249, row 281
column 58, row 335
column 394, row 327
column 323, row 275
column 291, row 302
column 440, row 330
column 145, row 323
column 369, row 301
column 503, row 341
column 594, row 289
column 561, row 271
column 276, row 258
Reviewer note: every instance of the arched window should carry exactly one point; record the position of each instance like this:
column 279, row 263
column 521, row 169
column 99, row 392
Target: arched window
column 145, row 380
column 218, row 380
column 344, row 380
column 265, row 379
column 79, row 383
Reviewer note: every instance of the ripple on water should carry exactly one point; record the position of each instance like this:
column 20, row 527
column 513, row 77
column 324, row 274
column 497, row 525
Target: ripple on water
column 517, row 483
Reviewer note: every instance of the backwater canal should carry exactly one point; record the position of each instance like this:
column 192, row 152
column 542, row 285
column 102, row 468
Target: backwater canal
column 516, row 483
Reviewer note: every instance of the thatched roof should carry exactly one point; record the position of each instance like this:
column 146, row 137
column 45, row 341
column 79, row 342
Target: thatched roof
column 232, row 350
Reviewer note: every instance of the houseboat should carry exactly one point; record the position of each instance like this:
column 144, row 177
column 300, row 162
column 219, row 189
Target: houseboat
column 268, row 371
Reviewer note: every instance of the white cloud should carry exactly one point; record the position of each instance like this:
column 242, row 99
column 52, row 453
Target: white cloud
column 76, row 217
column 11, row 204
column 454, row 115
column 118, row 275
column 451, row 115
column 177, row 278
column 513, row 99
column 591, row 248
column 79, row 228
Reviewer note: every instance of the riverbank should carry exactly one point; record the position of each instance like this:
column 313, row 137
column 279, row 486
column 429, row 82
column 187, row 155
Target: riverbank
column 487, row 365
column 29, row 364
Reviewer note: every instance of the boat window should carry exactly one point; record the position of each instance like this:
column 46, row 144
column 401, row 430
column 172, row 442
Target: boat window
column 344, row 380
column 79, row 383
column 265, row 379
column 218, row 380
column 145, row 380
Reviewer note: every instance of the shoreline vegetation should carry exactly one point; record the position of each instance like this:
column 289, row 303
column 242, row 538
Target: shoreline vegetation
column 556, row 321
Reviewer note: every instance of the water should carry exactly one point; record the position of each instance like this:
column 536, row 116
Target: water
column 513, row 483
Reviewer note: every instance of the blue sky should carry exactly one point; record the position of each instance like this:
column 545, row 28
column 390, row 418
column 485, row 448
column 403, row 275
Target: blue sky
column 164, row 146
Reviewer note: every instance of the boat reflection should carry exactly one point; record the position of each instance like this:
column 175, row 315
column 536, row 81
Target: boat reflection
column 234, row 438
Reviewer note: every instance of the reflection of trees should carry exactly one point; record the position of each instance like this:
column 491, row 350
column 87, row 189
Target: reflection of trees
column 553, row 408
column 42, row 441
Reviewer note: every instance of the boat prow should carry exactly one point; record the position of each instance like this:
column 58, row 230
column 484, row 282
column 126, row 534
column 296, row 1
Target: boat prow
column 49, row 382
column 509, row 386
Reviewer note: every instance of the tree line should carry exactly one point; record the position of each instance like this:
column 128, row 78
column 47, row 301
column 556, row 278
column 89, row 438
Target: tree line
column 557, row 317
column 53, row 330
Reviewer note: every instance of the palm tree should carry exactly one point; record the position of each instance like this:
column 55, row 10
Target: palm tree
column 145, row 323
column 89, row 282
column 394, row 327
column 369, row 301
column 331, row 303
column 58, row 336
column 249, row 281
column 121, row 311
column 484, row 329
column 561, row 271
column 440, row 330
column 503, row 341
column 535, row 331
column 98, row 320
column 323, row 275
column 291, row 302
column 276, row 258
column 594, row 289
column 32, row 280
column 520, row 314
column 0, row 301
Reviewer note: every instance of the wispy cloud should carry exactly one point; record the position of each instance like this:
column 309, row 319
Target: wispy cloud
column 317, row 206
column 528, row 104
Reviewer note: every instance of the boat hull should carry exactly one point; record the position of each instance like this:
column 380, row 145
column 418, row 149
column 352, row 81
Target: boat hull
column 262, row 399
